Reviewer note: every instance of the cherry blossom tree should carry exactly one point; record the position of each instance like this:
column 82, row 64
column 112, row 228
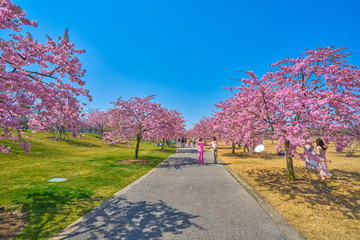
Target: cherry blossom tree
column 39, row 81
column 171, row 126
column 136, row 118
column 316, row 93
column 234, row 125
column 97, row 120
column 204, row 129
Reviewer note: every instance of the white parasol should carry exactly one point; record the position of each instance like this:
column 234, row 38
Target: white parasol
column 259, row 148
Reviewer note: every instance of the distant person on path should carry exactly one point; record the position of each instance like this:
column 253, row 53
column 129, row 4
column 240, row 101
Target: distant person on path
column 201, row 151
column 321, row 163
column 310, row 163
column 189, row 143
column 183, row 142
column 214, row 149
column 194, row 141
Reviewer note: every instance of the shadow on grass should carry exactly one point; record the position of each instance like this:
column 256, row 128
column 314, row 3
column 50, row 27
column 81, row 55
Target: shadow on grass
column 124, row 219
column 81, row 144
column 162, row 150
column 49, row 206
column 246, row 155
column 316, row 192
column 74, row 143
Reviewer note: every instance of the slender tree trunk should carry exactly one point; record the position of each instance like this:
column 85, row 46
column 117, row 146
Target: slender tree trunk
column 246, row 148
column 289, row 161
column 138, row 139
column 101, row 131
column 163, row 144
column 233, row 147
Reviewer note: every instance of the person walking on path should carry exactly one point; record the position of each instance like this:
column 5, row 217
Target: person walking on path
column 320, row 153
column 201, row 151
column 182, row 142
column 194, row 141
column 214, row 149
column 189, row 143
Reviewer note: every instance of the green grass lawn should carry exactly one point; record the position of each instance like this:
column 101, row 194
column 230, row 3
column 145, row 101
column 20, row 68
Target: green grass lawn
column 91, row 169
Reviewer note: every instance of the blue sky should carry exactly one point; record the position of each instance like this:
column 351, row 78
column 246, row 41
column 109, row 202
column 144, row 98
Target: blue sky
column 184, row 52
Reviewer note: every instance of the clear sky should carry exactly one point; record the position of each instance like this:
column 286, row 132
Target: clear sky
column 184, row 52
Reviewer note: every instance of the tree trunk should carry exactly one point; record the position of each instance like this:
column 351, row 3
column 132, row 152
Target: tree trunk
column 233, row 147
column 163, row 144
column 289, row 161
column 138, row 138
column 246, row 148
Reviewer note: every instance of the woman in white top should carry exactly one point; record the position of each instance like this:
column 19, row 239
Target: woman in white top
column 310, row 162
column 321, row 164
column 214, row 149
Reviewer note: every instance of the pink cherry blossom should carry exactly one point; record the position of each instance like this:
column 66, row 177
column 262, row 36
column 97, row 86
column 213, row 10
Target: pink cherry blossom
column 315, row 94
column 38, row 80
column 141, row 118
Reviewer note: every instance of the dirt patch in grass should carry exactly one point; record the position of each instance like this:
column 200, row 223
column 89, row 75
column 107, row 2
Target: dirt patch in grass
column 134, row 161
column 12, row 223
column 327, row 209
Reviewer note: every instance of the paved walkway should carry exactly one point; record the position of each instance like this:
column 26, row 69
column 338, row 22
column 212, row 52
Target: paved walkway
column 179, row 200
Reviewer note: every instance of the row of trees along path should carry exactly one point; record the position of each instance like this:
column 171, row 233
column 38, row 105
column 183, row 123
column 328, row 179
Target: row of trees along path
column 314, row 94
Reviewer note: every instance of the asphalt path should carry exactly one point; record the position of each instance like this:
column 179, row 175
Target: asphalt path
column 180, row 199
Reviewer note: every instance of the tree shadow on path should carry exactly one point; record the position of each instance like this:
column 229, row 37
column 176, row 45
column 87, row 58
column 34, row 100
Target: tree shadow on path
column 124, row 219
column 179, row 163
column 187, row 150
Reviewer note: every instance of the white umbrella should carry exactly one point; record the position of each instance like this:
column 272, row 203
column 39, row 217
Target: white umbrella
column 259, row 148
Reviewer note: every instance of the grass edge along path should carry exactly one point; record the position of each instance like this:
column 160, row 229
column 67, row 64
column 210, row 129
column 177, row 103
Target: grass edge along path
column 93, row 174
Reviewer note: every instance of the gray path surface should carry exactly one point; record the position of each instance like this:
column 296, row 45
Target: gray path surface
column 179, row 200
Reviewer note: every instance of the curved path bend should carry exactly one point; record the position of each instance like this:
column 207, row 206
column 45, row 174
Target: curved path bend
column 179, row 200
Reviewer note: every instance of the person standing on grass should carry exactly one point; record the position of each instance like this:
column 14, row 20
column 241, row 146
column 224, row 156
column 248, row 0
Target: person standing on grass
column 309, row 158
column 201, row 151
column 321, row 163
column 214, row 149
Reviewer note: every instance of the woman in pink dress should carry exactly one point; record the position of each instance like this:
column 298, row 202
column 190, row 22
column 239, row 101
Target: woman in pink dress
column 321, row 163
column 201, row 151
